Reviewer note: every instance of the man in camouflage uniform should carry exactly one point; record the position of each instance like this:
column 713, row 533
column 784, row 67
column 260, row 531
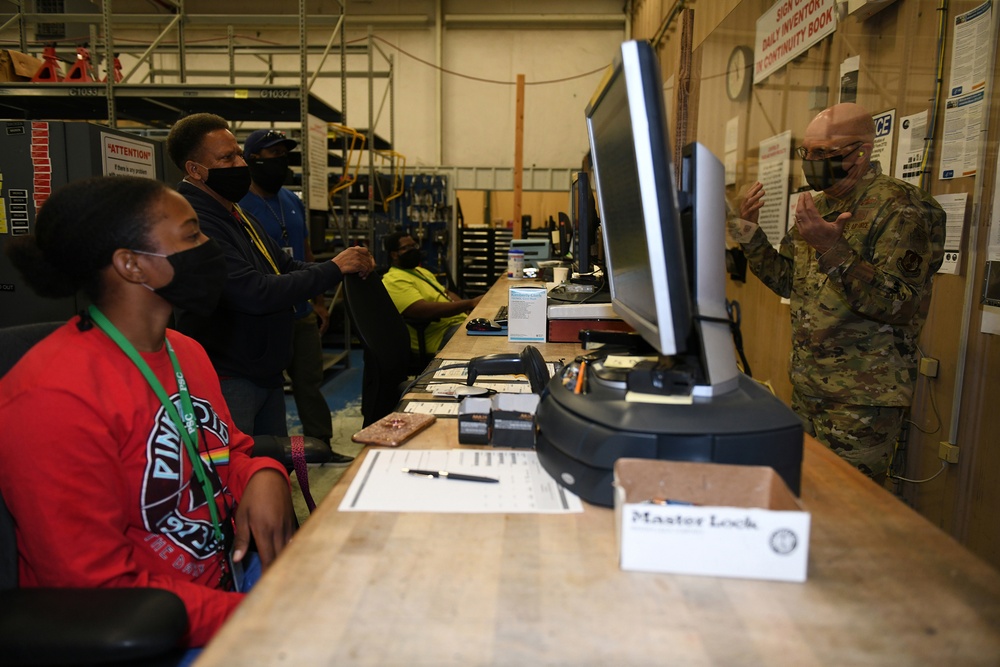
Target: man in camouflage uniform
column 857, row 268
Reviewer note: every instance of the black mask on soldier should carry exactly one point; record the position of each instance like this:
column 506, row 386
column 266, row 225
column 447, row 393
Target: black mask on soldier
column 409, row 259
column 199, row 276
column 269, row 173
column 825, row 173
column 230, row 183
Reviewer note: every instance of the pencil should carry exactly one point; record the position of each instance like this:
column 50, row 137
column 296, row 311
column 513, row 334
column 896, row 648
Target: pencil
column 579, row 378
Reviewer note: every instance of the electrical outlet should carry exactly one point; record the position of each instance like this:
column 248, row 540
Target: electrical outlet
column 948, row 452
column 929, row 367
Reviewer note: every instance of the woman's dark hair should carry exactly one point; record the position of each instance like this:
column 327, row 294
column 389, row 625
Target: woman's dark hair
column 78, row 229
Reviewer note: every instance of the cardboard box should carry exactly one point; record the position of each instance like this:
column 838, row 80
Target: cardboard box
column 17, row 66
column 513, row 420
column 526, row 314
column 474, row 421
column 743, row 521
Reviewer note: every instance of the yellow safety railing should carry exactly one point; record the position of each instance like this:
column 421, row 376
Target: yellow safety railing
column 397, row 162
column 352, row 160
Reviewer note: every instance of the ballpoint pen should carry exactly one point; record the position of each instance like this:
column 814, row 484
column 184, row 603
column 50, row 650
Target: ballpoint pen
column 450, row 475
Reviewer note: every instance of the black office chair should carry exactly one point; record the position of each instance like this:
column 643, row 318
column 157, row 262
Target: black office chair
column 386, row 341
column 61, row 626
column 419, row 361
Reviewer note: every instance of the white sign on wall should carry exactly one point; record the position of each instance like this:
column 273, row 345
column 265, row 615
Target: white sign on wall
column 787, row 29
column 772, row 172
column 317, row 188
column 885, row 128
column 127, row 157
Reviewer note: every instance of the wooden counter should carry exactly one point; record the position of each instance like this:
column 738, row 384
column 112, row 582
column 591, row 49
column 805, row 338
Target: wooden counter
column 885, row 586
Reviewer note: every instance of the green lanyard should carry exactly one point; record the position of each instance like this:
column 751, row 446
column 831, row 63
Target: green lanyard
column 187, row 427
column 437, row 287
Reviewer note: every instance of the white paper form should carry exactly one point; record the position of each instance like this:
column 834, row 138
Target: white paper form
column 463, row 371
column 772, row 172
column 963, row 118
column 910, row 148
column 448, row 388
column 524, row 486
column 971, row 47
column 954, row 210
column 439, row 408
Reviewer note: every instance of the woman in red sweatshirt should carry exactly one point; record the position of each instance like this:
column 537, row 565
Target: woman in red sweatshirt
column 118, row 457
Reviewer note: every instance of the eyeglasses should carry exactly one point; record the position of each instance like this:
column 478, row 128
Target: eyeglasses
column 806, row 154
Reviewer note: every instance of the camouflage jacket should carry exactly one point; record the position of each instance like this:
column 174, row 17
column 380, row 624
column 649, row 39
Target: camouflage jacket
column 857, row 310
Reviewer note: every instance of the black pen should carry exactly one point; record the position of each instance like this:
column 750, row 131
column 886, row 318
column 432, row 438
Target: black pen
column 450, row 475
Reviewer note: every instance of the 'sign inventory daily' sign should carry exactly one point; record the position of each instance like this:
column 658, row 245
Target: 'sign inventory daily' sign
column 787, row 29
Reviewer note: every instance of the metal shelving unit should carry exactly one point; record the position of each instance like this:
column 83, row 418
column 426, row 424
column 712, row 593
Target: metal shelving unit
column 147, row 105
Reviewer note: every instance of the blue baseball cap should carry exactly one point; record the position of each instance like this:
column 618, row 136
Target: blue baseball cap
column 260, row 139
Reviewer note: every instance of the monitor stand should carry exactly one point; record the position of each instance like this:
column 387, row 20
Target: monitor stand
column 580, row 436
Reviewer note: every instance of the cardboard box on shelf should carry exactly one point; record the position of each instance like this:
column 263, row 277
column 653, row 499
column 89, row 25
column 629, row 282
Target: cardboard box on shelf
column 16, row 66
column 709, row 519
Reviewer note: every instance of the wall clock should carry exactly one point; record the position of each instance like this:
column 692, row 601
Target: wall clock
column 738, row 75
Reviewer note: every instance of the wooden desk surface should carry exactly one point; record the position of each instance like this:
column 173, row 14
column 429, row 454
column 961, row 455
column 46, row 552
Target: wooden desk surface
column 885, row 587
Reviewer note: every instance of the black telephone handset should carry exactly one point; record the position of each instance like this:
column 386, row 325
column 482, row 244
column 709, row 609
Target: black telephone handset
column 529, row 361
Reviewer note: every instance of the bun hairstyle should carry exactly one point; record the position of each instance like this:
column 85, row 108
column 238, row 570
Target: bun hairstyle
column 78, row 229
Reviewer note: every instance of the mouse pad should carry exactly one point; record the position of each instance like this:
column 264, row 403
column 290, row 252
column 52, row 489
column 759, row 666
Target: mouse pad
column 500, row 332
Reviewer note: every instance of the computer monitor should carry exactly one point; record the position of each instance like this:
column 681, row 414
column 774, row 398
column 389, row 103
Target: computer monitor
column 691, row 404
column 583, row 218
column 636, row 192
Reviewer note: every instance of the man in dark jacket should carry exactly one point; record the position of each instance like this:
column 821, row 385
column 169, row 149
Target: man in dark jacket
column 249, row 335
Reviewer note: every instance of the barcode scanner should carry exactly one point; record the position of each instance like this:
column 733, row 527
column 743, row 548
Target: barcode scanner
column 529, row 361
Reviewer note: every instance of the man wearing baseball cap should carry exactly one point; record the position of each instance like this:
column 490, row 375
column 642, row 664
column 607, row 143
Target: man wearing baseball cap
column 283, row 217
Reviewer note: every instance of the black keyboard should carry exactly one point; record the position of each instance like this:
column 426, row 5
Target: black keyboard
column 501, row 316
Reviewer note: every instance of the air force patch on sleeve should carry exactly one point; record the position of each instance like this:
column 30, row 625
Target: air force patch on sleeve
column 909, row 264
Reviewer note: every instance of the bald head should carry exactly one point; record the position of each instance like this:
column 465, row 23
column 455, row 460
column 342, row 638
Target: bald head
column 842, row 124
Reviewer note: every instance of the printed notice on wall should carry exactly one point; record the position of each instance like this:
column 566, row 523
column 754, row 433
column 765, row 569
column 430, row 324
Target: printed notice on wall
column 127, row 157
column 787, row 29
column 849, row 79
column 885, row 127
column 954, row 210
column 963, row 117
column 316, row 196
column 910, row 149
column 772, row 172
column 971, row 48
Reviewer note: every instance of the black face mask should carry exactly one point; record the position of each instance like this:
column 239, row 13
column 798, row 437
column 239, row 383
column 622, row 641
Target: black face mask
column 230, row 183
column 410, row 259
column 269, row 173
column 199, row 276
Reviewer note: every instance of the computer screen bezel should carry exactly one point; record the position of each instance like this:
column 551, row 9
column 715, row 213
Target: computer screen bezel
column 669, row 324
